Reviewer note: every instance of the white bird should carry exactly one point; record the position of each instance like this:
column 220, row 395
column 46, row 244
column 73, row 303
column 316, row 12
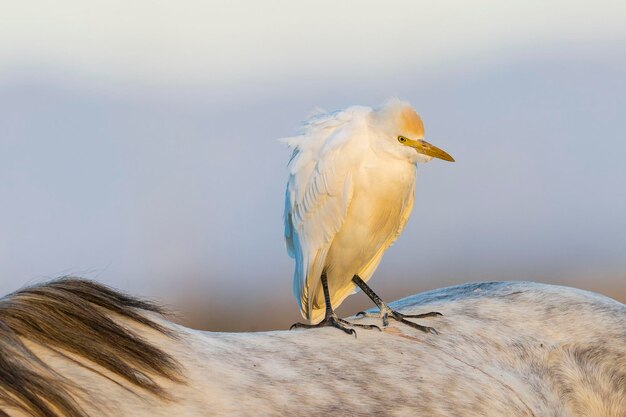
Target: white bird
column 349, row 195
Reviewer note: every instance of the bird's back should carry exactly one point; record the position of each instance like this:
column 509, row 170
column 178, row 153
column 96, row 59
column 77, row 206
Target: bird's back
column 319, row 191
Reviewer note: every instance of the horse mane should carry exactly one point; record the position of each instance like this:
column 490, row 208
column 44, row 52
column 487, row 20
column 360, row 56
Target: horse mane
column 74, row 316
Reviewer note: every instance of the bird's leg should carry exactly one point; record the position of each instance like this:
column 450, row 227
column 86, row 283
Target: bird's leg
column 386, row 312
column 331, row 319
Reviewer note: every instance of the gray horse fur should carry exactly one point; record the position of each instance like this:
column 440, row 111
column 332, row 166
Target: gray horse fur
column 503, row 349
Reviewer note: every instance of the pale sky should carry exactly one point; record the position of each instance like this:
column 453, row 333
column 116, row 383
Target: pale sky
column 216, row 42
column 138, row 142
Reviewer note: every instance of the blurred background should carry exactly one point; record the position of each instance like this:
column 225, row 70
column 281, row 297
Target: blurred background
column 138, row 143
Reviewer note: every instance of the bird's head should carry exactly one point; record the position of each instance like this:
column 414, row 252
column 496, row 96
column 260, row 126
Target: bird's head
column 403, row 130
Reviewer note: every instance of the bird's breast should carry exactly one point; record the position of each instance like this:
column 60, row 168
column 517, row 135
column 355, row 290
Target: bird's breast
column 382, row 194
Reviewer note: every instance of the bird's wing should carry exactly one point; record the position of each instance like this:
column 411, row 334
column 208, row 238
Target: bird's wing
column 319, row 192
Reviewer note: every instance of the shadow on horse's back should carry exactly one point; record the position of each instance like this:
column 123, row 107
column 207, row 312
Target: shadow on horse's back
column 73, row 347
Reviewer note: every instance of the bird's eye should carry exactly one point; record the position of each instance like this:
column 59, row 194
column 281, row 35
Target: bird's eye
column 401, row 139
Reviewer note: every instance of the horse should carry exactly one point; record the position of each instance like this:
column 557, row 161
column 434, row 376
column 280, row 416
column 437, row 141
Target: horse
column 73, row 347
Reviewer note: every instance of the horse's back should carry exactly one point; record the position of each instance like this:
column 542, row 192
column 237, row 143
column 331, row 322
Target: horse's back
column 503, row 349
column 514, row 349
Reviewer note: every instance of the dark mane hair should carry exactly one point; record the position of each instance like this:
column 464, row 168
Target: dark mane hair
column 73, row 315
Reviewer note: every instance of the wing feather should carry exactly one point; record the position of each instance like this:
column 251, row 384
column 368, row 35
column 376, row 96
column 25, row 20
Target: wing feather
column 318, row 194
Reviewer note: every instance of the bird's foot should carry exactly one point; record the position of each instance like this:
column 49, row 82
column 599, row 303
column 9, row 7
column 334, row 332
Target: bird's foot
column 329, row 320
column 363, row 326
column 386, row 313
column 334, row 321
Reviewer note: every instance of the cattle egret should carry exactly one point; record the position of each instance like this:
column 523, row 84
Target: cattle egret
column 349, row 195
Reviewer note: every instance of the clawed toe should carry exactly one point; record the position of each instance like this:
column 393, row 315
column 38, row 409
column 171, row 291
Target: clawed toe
column 388, row 313
column 421, row 316
column 425, row 329
column 327, row 322
column 363, row 326
column 362, row 314
column 402, row 319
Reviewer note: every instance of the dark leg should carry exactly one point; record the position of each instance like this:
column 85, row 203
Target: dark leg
column 386, row 312
column 331, row 318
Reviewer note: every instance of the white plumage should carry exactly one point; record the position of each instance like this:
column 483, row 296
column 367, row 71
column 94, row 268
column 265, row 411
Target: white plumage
column 349, row 195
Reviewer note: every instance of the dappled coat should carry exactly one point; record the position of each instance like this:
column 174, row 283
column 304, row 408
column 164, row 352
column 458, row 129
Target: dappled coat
column 75, row 348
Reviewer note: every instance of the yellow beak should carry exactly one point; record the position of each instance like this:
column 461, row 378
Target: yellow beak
column 425, row 148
